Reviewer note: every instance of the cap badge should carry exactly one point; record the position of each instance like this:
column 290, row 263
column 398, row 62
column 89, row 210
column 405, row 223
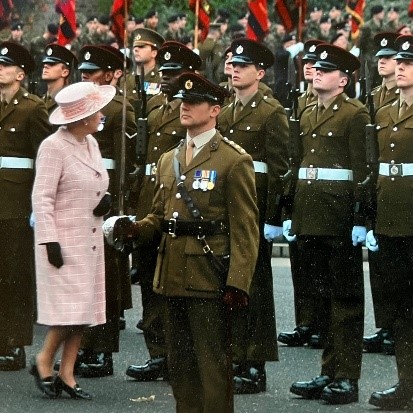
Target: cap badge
column 4, row 51
column 138, row 37
column 188, row 84
column 312, row 48
column 405, row 45
column 239, row 49
column 87, row 56
column 335, row 107
column 167, row 56
column 383, row 42
column 323, row 55
column 49, row 51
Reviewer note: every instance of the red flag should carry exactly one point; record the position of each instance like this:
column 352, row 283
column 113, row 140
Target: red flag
column 203, row 17
column 67, row 23
column 289, row 12
column 257, row 26
column 410, row 9
column 356, row 9
column 6, row 6
column 117, row 15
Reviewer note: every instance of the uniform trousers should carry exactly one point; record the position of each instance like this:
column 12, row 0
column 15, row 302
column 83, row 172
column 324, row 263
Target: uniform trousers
column 335, row 272
column 17, row 284
column 396, row 256
column 199, row 359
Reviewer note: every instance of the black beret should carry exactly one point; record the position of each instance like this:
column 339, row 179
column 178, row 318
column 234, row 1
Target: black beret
column 176, row 56
column 104, row 20
column 376, row 9
column 325, row 19
column 246, row 51
column 16, row 26
column 54, row 53
column 13, row 54
column 330, row 57
column 172, row 19
column 386, row 43
column 196, row 88
column 151, row 13
column 394, row 8
column 53, row 28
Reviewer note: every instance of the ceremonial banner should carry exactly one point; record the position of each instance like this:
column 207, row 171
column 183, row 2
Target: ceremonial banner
column 67, row 23
column 117, row 16
column 257, row 26
column 356, row 9
column 203, row 16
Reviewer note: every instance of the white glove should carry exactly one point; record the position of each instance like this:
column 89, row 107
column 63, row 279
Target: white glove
column 371, row 242
column 355, row 51
column 358, row 234
column 32, row 220
column 271, row 232
column 295, row 49
column 286, row 231
column 108, row 225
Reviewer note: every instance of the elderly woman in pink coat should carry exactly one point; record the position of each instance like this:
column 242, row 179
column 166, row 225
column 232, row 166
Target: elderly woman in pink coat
column 69, row 199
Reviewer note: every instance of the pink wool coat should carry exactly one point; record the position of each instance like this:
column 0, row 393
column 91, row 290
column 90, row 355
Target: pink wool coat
column 70, row 181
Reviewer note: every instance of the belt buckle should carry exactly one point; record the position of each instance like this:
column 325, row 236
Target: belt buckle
column 311, row 173
column 154, row 169
column 172, row 227
column 396, row 169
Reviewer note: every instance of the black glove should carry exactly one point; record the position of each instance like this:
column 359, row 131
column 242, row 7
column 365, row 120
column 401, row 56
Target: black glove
column 234, row 298
column 54, row 254
column 124, row 230
column 103, row 206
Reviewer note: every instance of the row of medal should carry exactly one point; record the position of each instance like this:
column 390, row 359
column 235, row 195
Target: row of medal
column 204, row 179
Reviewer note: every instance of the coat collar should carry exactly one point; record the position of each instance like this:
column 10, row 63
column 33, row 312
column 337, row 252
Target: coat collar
column 329, row 112
column 13, row 103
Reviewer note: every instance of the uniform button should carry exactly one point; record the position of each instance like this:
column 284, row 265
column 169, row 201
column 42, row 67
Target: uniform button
column 392, row 161
column 158, row 133
column 97, row 174
column 155, row 148
column 98, row 193
column 13, row 130
column 313, row 135
column 182, row 177
column 391, row 179
column 152, row 179
column 174, row 132
column 309, row 182
column 312, row 150
column 311, row 166
column 378, row 127
column 94, row 230
column 175, row 215
column 395, row 129
column 248, row 127
column 94, row 248
column 330, row 133
column 392, row 145
column 178, row 196
column 161, row 186
column 231, row 131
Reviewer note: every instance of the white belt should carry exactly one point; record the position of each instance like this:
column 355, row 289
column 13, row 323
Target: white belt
column 326, row 174
column 109, row 163
column 150, row 169
column 396, row 169
column 260, row 167
column 15, row 163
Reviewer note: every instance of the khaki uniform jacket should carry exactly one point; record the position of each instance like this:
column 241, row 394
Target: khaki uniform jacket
column 305, row 100
column 389, row 97
column 336, row 140
column 152, row 82
column 394, row 194
column 23, row 125
column 183, row 269
column 262, row 130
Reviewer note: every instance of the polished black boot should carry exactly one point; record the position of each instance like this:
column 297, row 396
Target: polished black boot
column 83, row 356
column 13, row 359
column 251, row 380
column 388, row 346
column 316, row 341
column 154, row 369
column 101, row 365
column 300, row 336
column 311, row 389
column 374, row 343
column 397, row 397
column 139, row 324
column 341, row 391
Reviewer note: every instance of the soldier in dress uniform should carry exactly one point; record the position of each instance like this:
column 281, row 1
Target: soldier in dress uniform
column 204, row 198
column 259, row 124
column 165, row 132
column 145, row 49
column 23, row 125
column 58, row 64
column 100, row 65
column 16, row 34
column 387, row 92
column 307, row 311
column 329, row 232
column 393, row 232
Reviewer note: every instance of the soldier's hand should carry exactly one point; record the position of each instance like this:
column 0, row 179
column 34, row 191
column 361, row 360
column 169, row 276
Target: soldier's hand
column 287, row 231
column 104, row 206
column 358, row 234
column 234, row 298
column 54, row 254
column 271, row 232
column 371, row 242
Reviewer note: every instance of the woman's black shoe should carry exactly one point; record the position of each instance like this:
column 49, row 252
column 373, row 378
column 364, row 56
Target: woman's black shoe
column 74, row 392
column 46, row 385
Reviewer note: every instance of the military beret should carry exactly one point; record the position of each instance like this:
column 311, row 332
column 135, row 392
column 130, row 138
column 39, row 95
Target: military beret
column 172, row 19
column 386, row 43
column 54, row 53
column 224, row 13
column 342, row 26
column 196, row 88
column 13, row 54
column 147, row 36
column 330, row 58
column 246, row 51
column 52, row 28
column 394, row 8
column 315, row 9
column 98, row 58
column 151, row 13
column 139, row 20
column 325, row 19
column 104, row 20
column 16, row 26
column 287, row 38
column 309, row 50
column 376, row 9
column 181, row 15
column 336, row 6
column 91, row 19
column 176, row 56
column 404, row 47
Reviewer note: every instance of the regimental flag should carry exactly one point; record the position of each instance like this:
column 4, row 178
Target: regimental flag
column 67, row 23
column 289, row 12
column 203, row 16
column 6, row 6
column 257, row 26
column 118, row 16
column 356, row 9
column 410, row 9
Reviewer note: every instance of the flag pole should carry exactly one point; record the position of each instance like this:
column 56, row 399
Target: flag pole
column 196, row 29
column 300, row 19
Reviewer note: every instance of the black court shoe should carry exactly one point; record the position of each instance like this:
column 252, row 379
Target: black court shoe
column 45, row 385
column 75, row 392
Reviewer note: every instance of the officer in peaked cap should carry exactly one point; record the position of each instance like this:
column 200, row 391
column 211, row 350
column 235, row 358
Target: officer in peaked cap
column 12, row 54
column 309, row 50
column 164, row 132
column 54, row 53
column 246, row 51
column 330, row 58
column 93, row 58
column 387, row 92
column 404, row 46
column 148, row 37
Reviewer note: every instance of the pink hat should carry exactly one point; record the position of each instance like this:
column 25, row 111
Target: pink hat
column 80, row 100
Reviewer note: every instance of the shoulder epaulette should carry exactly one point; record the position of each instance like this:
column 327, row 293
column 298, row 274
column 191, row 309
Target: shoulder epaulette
column 234, row 145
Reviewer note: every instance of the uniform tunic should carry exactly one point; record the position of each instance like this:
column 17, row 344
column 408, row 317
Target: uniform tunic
column 70, row 182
